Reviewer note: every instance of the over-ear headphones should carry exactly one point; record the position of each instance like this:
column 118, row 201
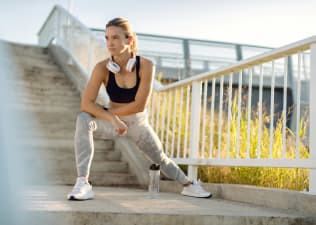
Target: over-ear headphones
column 115, row 68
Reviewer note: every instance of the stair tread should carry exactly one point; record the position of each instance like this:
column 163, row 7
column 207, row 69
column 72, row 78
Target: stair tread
column 133, row 206
column 57, row 143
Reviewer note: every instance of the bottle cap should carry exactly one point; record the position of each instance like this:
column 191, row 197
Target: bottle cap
column 154, row 167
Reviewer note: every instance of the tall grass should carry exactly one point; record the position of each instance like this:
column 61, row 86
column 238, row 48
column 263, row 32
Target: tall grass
column 285, row 178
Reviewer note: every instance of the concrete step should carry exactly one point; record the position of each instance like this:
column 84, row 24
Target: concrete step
column 29, row 86
column 60, row 143
column 34, row 60
column 40, row 73
column 38, row 94
column 51, row 166
column 47, row 125
column 28, row 61
column 36, row 71
column 52, row 116
column 110, row 166
column 25, row 50
column 45, row 106
column 51, row 134
column 67, row 176
column 42, row 93
column 38, row 89
column 97, row 178
column 41, row 98
column 126, row 206
column 38, row 81
column 47, row 131
column 113, row 179
column 21, row 72
column 47, row 93
column 68, row 154
column 30, row 65
column 75, row 104
column 50, row 124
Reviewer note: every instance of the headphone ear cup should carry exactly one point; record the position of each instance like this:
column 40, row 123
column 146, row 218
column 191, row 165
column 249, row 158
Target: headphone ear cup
column 113, row 67
column 131, row 64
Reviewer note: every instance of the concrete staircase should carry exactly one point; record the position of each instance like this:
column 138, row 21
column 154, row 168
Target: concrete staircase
column 44, row 91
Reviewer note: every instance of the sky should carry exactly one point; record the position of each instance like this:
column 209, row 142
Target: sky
column 271, row 23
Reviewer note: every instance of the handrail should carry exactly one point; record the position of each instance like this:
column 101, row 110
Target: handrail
column 57, row 7
column 189, row 39
column 264, row 57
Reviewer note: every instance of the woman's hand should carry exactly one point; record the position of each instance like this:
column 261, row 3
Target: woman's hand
column 119, row 126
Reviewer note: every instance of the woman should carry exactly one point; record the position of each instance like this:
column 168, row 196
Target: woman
column 128, row 79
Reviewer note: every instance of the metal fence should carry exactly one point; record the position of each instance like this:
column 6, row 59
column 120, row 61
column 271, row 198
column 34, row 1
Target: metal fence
column 194, row 133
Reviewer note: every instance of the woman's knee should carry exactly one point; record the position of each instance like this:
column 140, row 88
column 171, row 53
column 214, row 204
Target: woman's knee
column 85, row 119
column 159, row 157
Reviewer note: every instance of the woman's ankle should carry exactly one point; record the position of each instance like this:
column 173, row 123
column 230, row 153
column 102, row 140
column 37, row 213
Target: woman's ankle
column 187, row 184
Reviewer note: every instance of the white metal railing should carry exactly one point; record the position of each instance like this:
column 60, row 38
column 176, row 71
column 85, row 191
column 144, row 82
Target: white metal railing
column 68, row 32
column 65, row 31
column 199, row 124
column 232, row 129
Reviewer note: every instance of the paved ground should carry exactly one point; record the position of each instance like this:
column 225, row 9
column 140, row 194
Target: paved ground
column 134, row 206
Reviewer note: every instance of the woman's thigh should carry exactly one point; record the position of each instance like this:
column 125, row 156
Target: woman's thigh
column 147, row 140
column 100, row 128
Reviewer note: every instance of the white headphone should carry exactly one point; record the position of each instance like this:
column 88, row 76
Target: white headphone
column 115, row 68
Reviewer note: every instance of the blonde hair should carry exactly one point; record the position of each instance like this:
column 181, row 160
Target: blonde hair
column 126, row 27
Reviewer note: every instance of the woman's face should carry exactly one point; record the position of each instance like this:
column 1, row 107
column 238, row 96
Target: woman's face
column 116, row 41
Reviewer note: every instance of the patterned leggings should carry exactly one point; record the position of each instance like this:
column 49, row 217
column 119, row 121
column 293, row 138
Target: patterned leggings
column 139, row 131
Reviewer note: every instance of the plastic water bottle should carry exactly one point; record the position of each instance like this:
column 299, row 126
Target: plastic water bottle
column 154, row 178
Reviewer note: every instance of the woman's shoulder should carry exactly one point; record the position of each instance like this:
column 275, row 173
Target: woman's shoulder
column 101, row 66
column 146, row 62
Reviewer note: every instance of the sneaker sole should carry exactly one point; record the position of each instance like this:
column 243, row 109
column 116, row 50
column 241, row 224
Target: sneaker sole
column 209, row 196
column 73, row 198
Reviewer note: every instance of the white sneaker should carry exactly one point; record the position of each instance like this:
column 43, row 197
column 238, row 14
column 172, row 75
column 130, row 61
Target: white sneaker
column 81, row 191
column 195, row 190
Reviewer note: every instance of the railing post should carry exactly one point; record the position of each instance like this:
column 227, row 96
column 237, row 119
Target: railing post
column 195, row 127
column 312, row 113
column 58, row 28
column 187, row 59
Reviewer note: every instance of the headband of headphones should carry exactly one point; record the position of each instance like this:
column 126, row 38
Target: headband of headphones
column 115, row 68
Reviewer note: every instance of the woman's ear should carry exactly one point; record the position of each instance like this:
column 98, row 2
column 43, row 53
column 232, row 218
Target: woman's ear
column 130, row 40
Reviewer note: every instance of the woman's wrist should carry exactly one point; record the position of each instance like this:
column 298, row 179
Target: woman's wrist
column 110, row 116
column 113, row 118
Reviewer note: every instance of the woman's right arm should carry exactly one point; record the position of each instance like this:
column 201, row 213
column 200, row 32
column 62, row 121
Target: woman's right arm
column 89, row 96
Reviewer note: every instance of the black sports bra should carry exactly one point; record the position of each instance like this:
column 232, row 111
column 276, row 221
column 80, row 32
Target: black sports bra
column 119, row 94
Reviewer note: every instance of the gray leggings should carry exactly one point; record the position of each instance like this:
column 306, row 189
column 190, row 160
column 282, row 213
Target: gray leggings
column 139, row 131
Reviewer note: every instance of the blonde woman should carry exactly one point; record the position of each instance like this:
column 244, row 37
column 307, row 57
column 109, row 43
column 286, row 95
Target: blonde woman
column 128, row 79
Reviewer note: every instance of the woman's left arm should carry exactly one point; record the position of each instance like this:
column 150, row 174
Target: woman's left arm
column 147, row 73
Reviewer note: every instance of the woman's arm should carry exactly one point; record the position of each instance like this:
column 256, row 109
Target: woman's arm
column 90, row 94
column 147, row 72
